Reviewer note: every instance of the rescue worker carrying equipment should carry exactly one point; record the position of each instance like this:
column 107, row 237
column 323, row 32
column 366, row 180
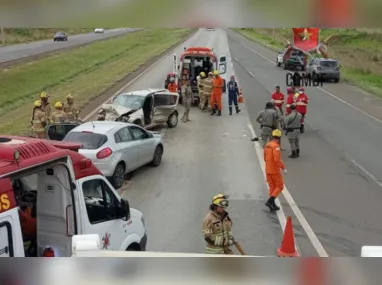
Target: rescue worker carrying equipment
column 268, row 121
column 187, row 100
column 290, row 99
column 71, row 112
column 59, row 116
column 217, row 227
column 273, row 165
column 293, row 125
column 39, row 120
column 172, row 86
column 233, row 94
column 302, row 106
column 200, row 83
column 45, row 104
column 207, row 91
column 278, row 99
column 217, row 92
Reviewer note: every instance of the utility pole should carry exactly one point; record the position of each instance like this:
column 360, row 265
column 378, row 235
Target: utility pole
column 2, row 34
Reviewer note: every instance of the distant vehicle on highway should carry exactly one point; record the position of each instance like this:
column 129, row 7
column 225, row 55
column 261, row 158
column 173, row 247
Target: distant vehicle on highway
column 294, row 61
column 147, row 108
column 117, row 148
column 326, row 69
column 210, row 29
column 99, row 30
column 280, row 57
column 60, row 37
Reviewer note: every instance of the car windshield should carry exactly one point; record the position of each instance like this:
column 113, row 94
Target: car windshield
column 88, row 140
column 60, row 34
column 328, row 63
column 130, row 101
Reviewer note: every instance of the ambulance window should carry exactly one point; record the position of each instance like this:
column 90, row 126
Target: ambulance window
column 6, row 240
column 101, row 203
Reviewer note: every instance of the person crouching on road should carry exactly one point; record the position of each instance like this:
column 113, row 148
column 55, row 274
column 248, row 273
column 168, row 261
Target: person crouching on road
column 217, row 227
column 268, row 120
column 293, row 125
column 187, row 99
column 233, row 94
column 217, row 92
column 172, row 86
column 59, row 116
column 39, row 120
column 273, row 165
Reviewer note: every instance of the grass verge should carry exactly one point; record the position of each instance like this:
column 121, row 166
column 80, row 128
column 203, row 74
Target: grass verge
column 24, row 35
column 358, row 51
column 85, row 72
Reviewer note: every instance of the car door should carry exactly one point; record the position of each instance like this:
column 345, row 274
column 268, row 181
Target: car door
column 128, row 147
column 146, row 144
column 102, row 212
column 222, row 68
column 164, row 105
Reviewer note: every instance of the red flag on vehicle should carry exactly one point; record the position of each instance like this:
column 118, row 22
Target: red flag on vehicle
column 306, row 39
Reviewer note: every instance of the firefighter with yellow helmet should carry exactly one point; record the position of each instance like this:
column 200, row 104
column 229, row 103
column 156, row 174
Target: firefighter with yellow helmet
column 72, row 112
column 59, row 116
column 39, row 120
column 217, row 227
column 44, row 98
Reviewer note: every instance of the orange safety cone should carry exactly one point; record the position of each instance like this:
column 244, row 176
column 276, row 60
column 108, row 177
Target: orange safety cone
column 241, row 98
column 288, row 248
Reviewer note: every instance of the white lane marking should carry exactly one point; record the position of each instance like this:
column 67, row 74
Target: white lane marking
column 364, row 170
column 323, row 90
column 250, row 73
column 292, row 204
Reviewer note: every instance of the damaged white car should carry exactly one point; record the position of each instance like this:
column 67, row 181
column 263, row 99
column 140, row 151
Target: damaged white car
column 146, row 108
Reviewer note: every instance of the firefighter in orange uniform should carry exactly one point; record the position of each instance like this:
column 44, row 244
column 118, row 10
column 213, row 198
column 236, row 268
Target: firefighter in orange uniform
column 290, row 100
column 217, row 92
column 278, row 99
column 302, row 101
column 273, row 166
column 172, row 86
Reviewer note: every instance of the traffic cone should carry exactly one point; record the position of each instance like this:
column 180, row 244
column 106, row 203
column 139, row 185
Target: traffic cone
column 288, row 248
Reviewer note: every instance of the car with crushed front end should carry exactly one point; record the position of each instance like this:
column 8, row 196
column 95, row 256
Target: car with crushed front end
column 147, row 108
column 117, row 148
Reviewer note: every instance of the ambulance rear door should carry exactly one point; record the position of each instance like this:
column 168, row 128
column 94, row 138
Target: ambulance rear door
column 222, row 68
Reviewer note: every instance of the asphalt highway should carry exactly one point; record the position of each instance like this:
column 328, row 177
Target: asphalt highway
column 20, row 51
column 335, row 183
column 202, row 158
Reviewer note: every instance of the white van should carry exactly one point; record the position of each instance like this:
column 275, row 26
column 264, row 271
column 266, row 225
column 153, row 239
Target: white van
column 49, row 193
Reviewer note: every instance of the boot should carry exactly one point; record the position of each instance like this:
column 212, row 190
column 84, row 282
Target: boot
column 298, row 153
column 302, row 128
column 219, row 113
column 230, row 110
column 293, row 155
column 237, row 109
column 271, row 204
column 274, row 205
column 183, row 118
column 188, row 119
column 213, row 112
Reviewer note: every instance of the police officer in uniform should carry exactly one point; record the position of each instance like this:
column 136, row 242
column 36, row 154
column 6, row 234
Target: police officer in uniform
column 268, row 119
column 293, row 125
column 217, row 227
column 187, row 99
column 39, row 121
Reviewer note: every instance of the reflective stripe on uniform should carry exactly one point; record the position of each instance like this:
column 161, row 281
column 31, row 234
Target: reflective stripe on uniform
column 214, row 250
column 278, row 101
column 301, row 104
column 287, row 105
column 219, row 239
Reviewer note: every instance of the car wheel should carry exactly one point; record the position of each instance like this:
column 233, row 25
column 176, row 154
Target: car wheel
column 118, row 176
column 158, row 153
column 336, row 80
column 172, row 120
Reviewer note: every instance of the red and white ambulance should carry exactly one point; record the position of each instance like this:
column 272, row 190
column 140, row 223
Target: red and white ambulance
column 49, row 193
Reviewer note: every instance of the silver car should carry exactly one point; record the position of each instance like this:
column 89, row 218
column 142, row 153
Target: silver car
column 324, row 69
column 117, row 148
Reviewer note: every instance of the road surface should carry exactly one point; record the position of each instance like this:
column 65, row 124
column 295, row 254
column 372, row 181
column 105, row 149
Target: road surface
column 335, row 194
column 21, row 51
column 207, row 156
column 335, row 183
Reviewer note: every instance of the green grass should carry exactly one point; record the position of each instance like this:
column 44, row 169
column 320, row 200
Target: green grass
column 85, row 72
column 358, row 51
column 23, row 35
